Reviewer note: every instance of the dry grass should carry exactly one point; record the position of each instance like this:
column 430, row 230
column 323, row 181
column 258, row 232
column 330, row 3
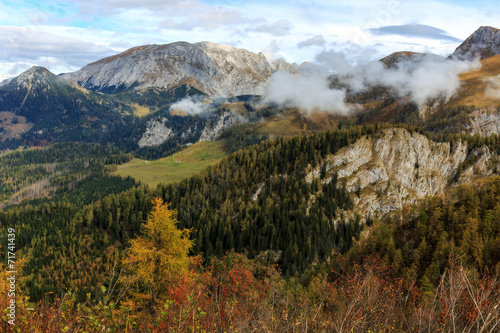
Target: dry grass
column 140, row 111
column 178, row 113
column 236, row 108
column 292, row 122
column 11, row 130
column 475, row 84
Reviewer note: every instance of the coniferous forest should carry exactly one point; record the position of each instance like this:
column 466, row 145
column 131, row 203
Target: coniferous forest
column 263, row 248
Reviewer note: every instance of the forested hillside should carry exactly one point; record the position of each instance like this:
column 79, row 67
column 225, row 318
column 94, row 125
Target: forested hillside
column 419, row 240
column 39, row 172
column 386, row 282
column 227, row 206
column 256, row 201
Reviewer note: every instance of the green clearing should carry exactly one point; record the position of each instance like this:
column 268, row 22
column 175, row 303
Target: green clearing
column 176, row 167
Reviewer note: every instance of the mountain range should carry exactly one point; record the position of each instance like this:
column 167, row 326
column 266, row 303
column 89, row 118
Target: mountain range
column 93, row 103
column 394, row 175
column 130, row 99
column 156, row 99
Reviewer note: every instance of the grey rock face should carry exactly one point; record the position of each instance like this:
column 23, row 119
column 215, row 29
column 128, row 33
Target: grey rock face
column 483, row 43
column 393, row 60
column 485, row 122
column 397, row 168
column 156, row 133
column 214, row 128
column 217, row 70
column 281, row 65
column 35, row 76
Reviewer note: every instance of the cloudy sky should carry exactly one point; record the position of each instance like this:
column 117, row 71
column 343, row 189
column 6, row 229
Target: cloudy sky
column 66, row 35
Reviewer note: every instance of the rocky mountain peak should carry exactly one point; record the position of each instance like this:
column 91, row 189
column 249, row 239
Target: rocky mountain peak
column 36, row 71
column 35, row 76
column 213, row 46
column 134, row 51
column 483, row 43
column 394, row 59
column 214, row 69
column 281, row 64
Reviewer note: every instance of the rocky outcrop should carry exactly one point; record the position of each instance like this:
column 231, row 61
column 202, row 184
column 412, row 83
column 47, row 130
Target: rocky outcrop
column 485, row 121
column 395, row 167
column 280, row 64
column 428, row 109
column 211, row 68
column 483, row 43
column 156, row 133
column 36, row 80
column 217, row 125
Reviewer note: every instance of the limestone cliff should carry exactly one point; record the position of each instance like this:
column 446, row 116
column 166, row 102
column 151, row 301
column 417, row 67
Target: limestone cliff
column 485, row 121
column 156, row 133
column 218, row 123
column 394, row 168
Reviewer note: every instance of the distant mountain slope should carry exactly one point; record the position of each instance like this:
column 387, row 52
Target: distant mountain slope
column 393, row 59
column 38, row 107
column 483, row 43
column 478, row 86
column 57, row 108
column 211, row 68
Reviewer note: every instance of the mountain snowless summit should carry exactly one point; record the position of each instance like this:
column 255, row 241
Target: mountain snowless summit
column 483, row 43
column 215, row 69
column 394, row 59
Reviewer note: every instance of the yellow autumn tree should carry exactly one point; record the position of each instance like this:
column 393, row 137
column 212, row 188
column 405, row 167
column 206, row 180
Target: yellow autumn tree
column 159, row 255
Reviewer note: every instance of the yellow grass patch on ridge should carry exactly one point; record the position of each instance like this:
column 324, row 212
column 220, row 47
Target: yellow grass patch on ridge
column 475, row 84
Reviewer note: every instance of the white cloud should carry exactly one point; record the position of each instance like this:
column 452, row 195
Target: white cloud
column 277, row 28
column 317, row 40
column 309, row 92
column 198, row 15
column 191, row 105
column 422, row 81
column 4, row 77
column 30, row 40
column 111, row 7
column 24, row 47
column 428, row 79
column 271, row 51
column 493, row 88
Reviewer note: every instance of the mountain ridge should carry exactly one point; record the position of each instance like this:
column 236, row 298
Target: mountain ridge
column 392, row 60
column 214, row 69
column 194, row 67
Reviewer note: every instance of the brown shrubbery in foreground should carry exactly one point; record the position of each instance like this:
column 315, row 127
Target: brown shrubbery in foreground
column 236, row 295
